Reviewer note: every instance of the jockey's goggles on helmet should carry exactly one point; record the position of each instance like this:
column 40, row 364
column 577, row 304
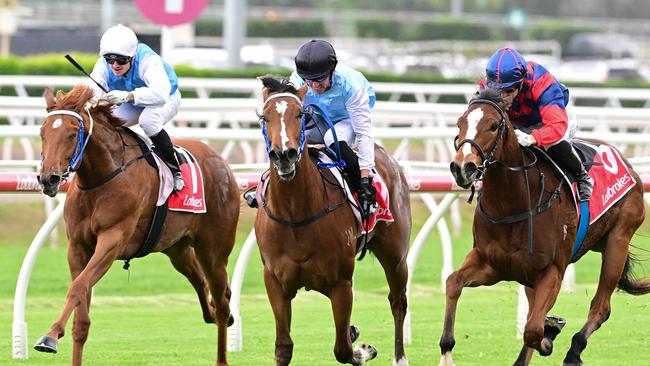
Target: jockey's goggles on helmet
column 120, row 59
column 321, row 79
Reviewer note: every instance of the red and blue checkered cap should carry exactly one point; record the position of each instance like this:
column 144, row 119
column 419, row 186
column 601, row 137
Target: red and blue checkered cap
column 505, row 68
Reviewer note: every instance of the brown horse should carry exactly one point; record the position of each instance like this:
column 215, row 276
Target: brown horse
column 487, row 149
column 307, row 233
column 109, row 208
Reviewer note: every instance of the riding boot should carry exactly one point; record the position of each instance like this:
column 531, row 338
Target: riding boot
column 351, row 169
column 165, row 150
column 565, row 155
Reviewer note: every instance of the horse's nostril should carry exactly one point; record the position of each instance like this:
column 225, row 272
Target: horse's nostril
column 292, row 155
column 470, row 168
column 274, row 156
column 54, row 180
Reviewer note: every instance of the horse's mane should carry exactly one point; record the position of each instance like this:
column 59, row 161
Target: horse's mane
column 491, row 94
column 76, row 98
column 278, row 84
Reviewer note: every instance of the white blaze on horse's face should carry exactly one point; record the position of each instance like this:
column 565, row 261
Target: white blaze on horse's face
column 281, row 108
column 473, row 118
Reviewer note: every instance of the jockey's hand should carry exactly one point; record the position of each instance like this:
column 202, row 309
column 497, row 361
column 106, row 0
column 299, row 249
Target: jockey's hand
column 367, row 194
column 117, row 96
column 525, row 139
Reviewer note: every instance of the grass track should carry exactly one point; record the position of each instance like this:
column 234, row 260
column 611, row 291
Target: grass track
column 151, row 316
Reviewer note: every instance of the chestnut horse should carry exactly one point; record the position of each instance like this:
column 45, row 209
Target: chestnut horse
column 487, row 149
column 307, row 233
column 109, row 208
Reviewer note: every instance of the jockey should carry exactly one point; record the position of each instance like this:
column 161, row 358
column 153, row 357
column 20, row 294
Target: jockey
column 536, row 105
column 143, row 86
column 346, row 97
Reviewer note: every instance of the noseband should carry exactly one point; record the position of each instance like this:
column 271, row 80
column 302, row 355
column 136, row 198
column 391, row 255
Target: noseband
column 263, row 121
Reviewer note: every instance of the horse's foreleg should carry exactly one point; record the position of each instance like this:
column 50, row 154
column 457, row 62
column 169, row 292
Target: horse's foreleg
column 472, row 273
column 396, row 271
column 281, row 305
column 78, row 294
column 545, row 293
column 80, row 328
column 613, row 262
column 184, row 261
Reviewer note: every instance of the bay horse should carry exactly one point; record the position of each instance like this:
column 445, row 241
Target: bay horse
column 307, row 233
column 487, row 149
column 109, row 208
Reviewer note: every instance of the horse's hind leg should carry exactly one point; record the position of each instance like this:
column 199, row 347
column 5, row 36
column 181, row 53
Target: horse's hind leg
column 393, row 260
column 184, row 261
column 614, row 256
column 473, row 273
column 212, row 249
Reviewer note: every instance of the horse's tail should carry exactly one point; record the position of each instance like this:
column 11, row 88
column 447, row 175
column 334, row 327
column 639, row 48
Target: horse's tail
column 629, row 283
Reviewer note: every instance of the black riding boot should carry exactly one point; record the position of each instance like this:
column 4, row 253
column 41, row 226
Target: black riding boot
column 564, row 154
column 165, row 149
column 351, row 169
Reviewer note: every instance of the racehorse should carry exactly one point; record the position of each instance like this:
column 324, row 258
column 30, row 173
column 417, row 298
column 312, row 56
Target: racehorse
column 110, row 205
column 505, row 250
column 307, row 233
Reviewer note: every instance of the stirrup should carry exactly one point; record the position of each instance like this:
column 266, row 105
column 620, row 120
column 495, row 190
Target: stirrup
column 178, row 182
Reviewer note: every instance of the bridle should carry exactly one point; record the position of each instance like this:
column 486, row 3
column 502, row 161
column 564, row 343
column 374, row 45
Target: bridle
column 81, row 143
column 485, row 158
column 264, row 121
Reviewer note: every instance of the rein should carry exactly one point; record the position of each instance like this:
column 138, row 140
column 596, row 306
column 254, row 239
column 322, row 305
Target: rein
column 307, row 220
column 488, row 162
column 80, row 147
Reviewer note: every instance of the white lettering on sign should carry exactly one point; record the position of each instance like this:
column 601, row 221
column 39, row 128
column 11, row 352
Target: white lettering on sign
column 174, row 6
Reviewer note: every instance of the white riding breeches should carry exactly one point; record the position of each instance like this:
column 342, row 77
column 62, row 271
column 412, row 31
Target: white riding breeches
column 150, row 119
column 345, row 132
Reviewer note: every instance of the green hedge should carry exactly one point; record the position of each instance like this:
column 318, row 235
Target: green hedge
column 265, row 28
column 56, row 64
column 557, row 30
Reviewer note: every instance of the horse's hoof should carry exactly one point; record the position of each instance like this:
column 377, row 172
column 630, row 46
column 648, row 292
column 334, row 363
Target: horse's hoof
column 231, row 320
column 546, row 348
column 572, row 364
column 47, row 344
column 365, row 352
column 354, row 333
column 553, row 326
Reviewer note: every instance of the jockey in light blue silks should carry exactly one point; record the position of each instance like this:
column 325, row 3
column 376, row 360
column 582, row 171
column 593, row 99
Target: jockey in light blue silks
column 143, row 86
column 346, row 97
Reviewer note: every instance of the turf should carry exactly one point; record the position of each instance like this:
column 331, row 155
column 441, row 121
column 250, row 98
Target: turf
column 150, row 316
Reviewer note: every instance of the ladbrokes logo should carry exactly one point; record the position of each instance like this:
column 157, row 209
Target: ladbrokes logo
column 193, row 202
column 27, row 183
column 620, row 184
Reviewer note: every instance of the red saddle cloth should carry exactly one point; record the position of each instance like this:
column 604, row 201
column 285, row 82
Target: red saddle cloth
column 382, row 212
column 192, row 197
column 612, row 180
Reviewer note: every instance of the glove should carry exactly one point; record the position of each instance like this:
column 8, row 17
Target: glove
column 525, row 139
column 367, row 194
column 117, row 96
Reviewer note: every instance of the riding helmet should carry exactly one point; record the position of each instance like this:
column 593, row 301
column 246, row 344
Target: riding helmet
column 315, row 60
column 505, row 68
column 118, row 40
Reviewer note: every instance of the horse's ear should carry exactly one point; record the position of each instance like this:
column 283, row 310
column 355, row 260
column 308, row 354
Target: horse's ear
column 302, row 91
column 50, row 101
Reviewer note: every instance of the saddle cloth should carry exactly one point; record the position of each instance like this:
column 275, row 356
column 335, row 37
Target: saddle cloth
column 612, row 179
column 192, row 197
column 382, row 211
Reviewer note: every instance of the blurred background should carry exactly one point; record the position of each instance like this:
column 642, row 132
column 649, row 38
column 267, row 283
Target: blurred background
column 577, row 40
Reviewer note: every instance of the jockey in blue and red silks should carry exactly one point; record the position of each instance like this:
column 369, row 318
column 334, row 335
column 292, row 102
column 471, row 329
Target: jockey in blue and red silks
column 536, row 105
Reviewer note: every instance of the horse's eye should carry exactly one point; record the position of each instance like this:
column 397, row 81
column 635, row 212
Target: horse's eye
column 494, row 127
